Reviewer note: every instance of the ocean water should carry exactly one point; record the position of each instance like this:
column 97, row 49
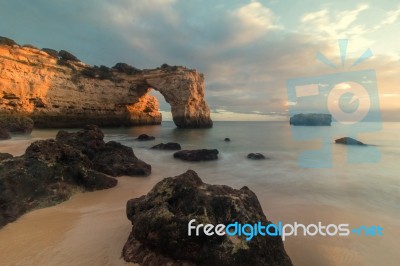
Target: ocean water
column 91, row 228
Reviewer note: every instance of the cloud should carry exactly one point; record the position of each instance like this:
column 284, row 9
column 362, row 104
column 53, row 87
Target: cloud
column 389, row 95
column 328, row 24
column 391, row 17
column 246, row 49
column 252, row 22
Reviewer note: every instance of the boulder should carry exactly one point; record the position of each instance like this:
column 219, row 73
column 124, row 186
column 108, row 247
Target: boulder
column 4, row 134
column 197, row 155
column 311, row 120
column 111, row 158
column 48, row 173
column 160, row 220
column 116, row 159
column 16, row 123
column 349, row 141
column 256, row 156
column 167, row 146
column 145, row 137
column 5, row 156
column 89, row 140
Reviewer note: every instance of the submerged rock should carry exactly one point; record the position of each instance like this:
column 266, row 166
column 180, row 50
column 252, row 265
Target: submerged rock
column 160, row 226
column 311, row 120
column 48, row 173
column 227, row 139
column 4, row 134
column 145, row 137
column 197, row 155
column 256, row 156
column 167, row 146
column 111, row 158
column 349, row 141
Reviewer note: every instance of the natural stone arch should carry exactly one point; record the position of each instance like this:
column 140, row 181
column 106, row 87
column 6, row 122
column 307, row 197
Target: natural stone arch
column 183, row 89
column 57, row 91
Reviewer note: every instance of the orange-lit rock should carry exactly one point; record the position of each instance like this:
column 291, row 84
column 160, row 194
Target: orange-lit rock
column 64, row 93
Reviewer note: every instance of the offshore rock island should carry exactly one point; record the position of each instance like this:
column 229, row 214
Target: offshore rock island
column 57, row 90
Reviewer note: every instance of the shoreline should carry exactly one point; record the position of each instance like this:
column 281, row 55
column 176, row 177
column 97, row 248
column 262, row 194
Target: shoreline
column 97, row 226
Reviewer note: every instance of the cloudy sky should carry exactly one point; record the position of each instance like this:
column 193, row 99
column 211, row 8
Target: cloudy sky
column 246, row 49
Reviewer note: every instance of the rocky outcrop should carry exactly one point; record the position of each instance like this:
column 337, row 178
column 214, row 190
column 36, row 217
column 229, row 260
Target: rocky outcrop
column 48, row 173
column 16, row 123
column 4, row 134
column 256, row 156
column 171, row 146
column 5, row 156
column 349, row 141
column 145, row 137
column 197, row 155
column 111, row 158
column 55, row 89
column 311, row 120
column 160, row 226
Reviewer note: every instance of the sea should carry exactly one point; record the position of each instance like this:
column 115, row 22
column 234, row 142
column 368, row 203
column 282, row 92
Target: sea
column 91, row 228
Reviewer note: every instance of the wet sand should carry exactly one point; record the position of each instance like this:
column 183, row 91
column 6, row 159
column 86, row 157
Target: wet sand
column 91, row 228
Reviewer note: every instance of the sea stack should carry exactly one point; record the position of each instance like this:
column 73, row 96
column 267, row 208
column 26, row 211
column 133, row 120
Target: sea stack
column 311, row 120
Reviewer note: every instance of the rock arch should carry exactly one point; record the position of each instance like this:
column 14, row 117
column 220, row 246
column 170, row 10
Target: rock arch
column 57, row 92
column 183, row 89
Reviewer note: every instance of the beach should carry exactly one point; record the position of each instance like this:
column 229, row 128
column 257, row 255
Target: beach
column 91, row 228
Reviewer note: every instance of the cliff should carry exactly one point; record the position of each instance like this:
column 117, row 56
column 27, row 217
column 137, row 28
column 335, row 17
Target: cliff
column 55, row 89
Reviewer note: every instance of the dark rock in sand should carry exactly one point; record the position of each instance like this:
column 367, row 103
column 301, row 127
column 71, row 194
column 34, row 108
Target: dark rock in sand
column 116, row 159
column 16, row 123
column 4, row 134
column 5, row 156
column 349, row 141
column 88, row 141
column 160, row 226
column 197, row 155
column 145, row 137
column 256, row 156
column 111, row 158
column 311, row 120
column 167, row 146
column 227, row 139
column 48, row 173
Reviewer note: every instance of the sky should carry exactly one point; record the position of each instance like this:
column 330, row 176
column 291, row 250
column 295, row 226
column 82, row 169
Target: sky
column 248, row 50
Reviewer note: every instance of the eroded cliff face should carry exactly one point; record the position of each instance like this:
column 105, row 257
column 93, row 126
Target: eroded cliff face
column 64, row 92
